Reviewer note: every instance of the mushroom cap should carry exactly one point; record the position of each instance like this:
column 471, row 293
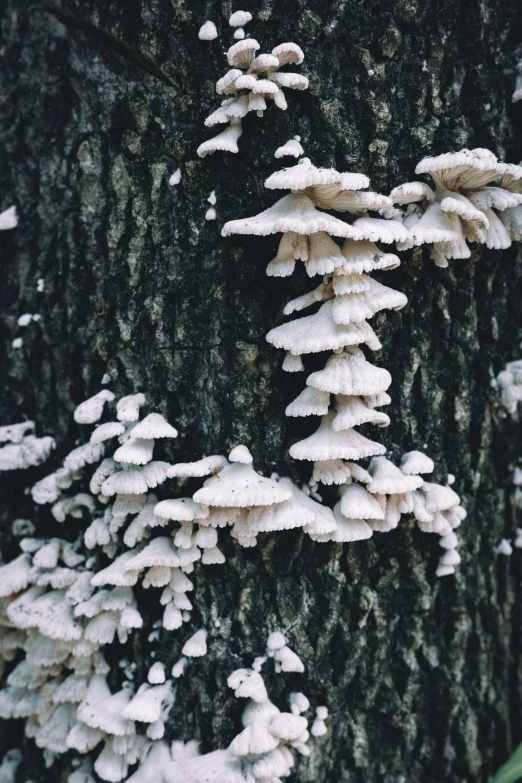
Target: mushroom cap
column 388, row 479
column 344, row 200
column 324, row 255
column 91, row 410
column 462, row 206
column 116, row 573
column 203, row 467
column 511, row 219
column 434, row 226
column 242, row 53
column 304, row 175
column 311, row 402
column 358, row 503
column 128, row 408
column 207, row 31
column 180, row 509
column 415, row 462
column 331, row 471
column 292, row 363
column 196, row 646
column 379, row 230
column 365, row 256
column 291, row 148
column 8, row 219
column 410, row 192
column 326, row 444
column 154, row 426
column 239, row 18
column 158, row 552
column 295, row 213
column 239, row 486
column 106, row 431
column 288, row 53
column 350, row 374
column 135, row 451
column 280, row 516
column 319, row 332
column 355, row 307
column 226, row 141
column 352, row 411
column 348, row 529
column 240, row 454
column 467, row 169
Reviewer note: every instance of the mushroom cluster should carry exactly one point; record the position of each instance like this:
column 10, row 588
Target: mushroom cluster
column 253, row 79
column 21, row 449
column 263, row 751
column 477, row 198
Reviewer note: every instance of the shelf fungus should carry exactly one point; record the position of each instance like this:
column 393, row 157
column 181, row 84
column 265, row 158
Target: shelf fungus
column 252, row 83
column 477, row 198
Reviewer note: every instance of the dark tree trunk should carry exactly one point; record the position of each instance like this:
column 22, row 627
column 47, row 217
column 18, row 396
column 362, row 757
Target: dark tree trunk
column 100, row 102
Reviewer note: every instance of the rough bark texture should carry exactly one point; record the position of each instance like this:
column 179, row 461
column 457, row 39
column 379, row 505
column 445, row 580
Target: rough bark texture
column 100, row 102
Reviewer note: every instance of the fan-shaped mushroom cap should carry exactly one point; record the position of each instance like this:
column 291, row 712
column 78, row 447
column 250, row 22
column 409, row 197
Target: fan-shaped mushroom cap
column 352, row 411
column 438, row 497
column 288, row 53
column 91, row 410
column 255, row 739
column 388, row 479
column 50, row 613
column 292, row 363
column 226, row 141
column 323, row 255
column 358, row 503
column 326, row 444
column 239, row 486
column 355, row 307
column 365, row 256
column 154, row 426
column 347, row 529
column 331, row 471
column 196, row 646
column 295, row 213
column 465, row 208
column 116, row 573
column 136, row 481
column 239, row 18
column 8, row 219
column 159, row 552
column 379, row 230
column 304, row 175
column 350, row 374
column 128, row 408
column 292, row 81
column 319, row 294
column 319, row 332
column 15, row 576
column 180, row 509
column 291, row 246
column 135, row 451
column 242, row 53
column 106, row 431
column 410, row 192
column 467, row 169
column 248, row 684
column 449, row 541
column 146, row 705
column 281, row 516
column 293, row 147
column 350, row 284
column 203, row 467
column 207, row 31
column 311, row 402
column 240, row 454
column 415, row 462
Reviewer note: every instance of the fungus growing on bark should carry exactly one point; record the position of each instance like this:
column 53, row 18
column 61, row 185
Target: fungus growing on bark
column 252, row 79
column 292, row 148
column 207, row 31
column 8, row 219
column 477, row 198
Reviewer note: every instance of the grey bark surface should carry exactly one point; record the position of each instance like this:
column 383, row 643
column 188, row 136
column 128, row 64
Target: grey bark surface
column 100, row 102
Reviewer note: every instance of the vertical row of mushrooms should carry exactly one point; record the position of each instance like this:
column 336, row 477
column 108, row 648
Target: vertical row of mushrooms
column 349, row 390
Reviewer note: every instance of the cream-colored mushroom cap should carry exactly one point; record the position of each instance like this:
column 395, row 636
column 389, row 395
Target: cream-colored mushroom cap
column 311, row 402
column 415, row 462
column 350, row 374
column 135, row 451
column 355, row 307
column 304, row 174
column 326, row 444
column 466, row 209
column 226, row 141
column 239, row 18
column 107, row 431
column 288, row 53
column 242, row 53
column 351, row 411
column 240, row 454
column 292, row 148
column 331, row 471
column 358, row 503
column 281, row 516
column 388, row 479
column 154, row 426
column 348, row 529
column 180, row 509
column 319, row 332
column 295, row 212
column 239, row 486
column 378, row 230
column 365, row 256
column 203, row 467
column 341, row 200
column 411, row 192
column 91, row 410
column 467, row 169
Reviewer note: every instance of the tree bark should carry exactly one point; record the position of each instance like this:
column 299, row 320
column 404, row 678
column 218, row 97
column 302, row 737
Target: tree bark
column 100, row 103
